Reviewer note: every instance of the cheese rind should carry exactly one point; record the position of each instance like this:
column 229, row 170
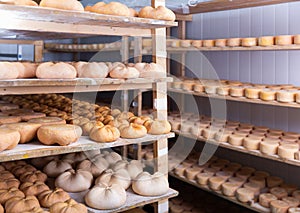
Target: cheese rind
column 284, row 40
column 266, row 41
column 249, row 42
column 266, row 198
column 244, row 195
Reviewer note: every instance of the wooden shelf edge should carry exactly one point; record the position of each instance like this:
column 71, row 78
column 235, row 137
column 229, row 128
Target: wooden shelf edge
column 237, row 99
column 205, row 188
column 240, row 149
column 36, row 149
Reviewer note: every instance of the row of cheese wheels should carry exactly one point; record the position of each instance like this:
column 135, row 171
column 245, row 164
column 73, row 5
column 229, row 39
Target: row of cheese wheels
column 72, row 70
column 264, row 41
column 112, row 8
column 285, row 93
column 269, row 193
column 246, row 136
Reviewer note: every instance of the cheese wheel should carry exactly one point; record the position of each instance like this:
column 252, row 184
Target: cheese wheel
column 215, row 183
column 175, row 43
column 210, row 170
column 225, row 175
column 291, row 201
column 296, row 194
column 294, row 210
column 267, row 95
column 290, row 188
column 236, row 166
column 177, row 84
column 185, row 43
column 208, row 43
column 220, row 42
column 237, row 180
column 252, row 92
column 259, row 180
column 236, row 91
column 229, row 189
column 248, row 169
column 279, row 206
column 222, row 136
column 208, row 133
column 261, row 174
column 233, row 42
column 224, row 90
column 253, row 187
column 197, row 43
column 236, row 139
column 285, row 96
column 187, row 163
column 266, row 198
column 287, row 151
column 269, row 147
column 243, row 174
column 273, row 181
column 179, row 170
column 296, row 39
column 251, row 143
column 249, row 42
column 279, row 192
column 266, row 41
column 284, row 40
column 244, row 195
column 210, row 89
column 188, row 85
column 202, row 178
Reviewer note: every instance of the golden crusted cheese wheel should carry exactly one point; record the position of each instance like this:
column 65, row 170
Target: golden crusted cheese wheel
column 113, row 8
column 202, row 178
column 279, row 192
column 234, row 42
column 229, row 189
column 249, row 42
column 273, row 181
column 267, row 95
column 266, row 198
column 197, row 43
column 244, row 195
column 62, row 134
column 27, row 130
column 215, row 183
column 252, row 92
column 180, row 170
column 285, row 96
column 284, row 40
column 9, row 138
column 287, row 151
column 279, row 206
column 252, row 186
column 220, row 42
column 208, row 43
column 198, row 88
column 293, row 202
column 269, row 147
column 236, row 91
column 266, row 41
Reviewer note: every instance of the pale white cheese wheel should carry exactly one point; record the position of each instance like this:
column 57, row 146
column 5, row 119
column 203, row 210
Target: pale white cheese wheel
column 236, row 139
column 244, row 195
column 224, row 90
column 216, row 182
column 266, row 198
column 222, row 136
column 251, row 143
column 210, row 89
column 229, row 189
column 285, row 96
column 269, row 147
column 224, row 174
column 233, row 42
column 279, row 192
column 279, row 206
column 287, row 151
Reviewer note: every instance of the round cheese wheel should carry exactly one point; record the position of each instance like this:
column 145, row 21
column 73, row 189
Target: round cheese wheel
column 229, row 189
column 185, row 43
column 266, row 41
column 259, row 180
column 243, row 174
column 290, row 188
column 285, row 96
column 237, row 180
column 233, row 42
column 188, row 85
column 224, row 90
column 287, row 151
column 244, row 195
column 279, row 206
column 216, row 182
column 249, row 42
column 208, row 43
column 236, row 91
column 209, row 133
column 197, row 43
column 251, row 143
column 279, row 192
column 296, row 39
column 198, row 88
column 236, row 139
column 253, row 187
column 220, row 42
column 177, row 84
column 191, row 173
column 202, row 178
column 261, row 174
column 224, row 174
column 273, row 181
column 269, row 147
column 222, row 136
column 291, row 201
column 248, row 169
column 179, row 170
column 266, row 198
column 210, row 89
column 284, row 40
column 267, row 95
column 252, row 92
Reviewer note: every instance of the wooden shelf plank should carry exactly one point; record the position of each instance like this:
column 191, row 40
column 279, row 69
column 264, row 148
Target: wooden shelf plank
column 253, row 207
column 40, row 86
column 219, row 5
column 237, row 99
column 33, row 23
column 240, row 149
column 36, row 149
column 133, row 201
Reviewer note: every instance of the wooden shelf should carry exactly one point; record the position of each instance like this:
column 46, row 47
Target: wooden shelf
column 253, row 206
column 36, row 149
column 240, row 149
column 37, row 23
column 219, row 5
column 133, row 200
column 41, row 86
column 237, row 99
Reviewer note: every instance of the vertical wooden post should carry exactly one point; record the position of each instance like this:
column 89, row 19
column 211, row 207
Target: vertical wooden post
column 76, row 56
column 182, row 35
column 160, row 102
column 38, row 51
column 125, row 58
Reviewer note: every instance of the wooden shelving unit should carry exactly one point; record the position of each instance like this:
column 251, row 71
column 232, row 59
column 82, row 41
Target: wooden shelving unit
column 35, row 24
column 237, row 99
